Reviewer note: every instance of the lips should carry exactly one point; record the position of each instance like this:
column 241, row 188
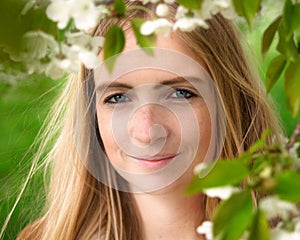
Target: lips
column 155, row 162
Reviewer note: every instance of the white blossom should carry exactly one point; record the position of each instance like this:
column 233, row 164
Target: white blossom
column 221, row 192
column 162, row 10
column 159, row 26
column 188, row 24
column 60, row 11
column 56, row 68
column 275, row 207
column 35, row 45
column 89, row 59
column 212, row 7
column 188, row 20
column 84, row 12
column 206, row 228
column 181, row 12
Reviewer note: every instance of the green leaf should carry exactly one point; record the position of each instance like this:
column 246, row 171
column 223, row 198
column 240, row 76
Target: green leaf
column 145, row 42
column 291, row 13
column 274, row 71
column 191, row 4
column 114, row 44
column 269, row 34
column 233, row 216
column 119, row 7
column 259, row 229
column 223, row 173
column 247, row 9
column 288, row 186
column 286, row 45
column 292, row 87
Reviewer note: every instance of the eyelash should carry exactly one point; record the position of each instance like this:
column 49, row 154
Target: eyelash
column 190, row 93
column 110, row 99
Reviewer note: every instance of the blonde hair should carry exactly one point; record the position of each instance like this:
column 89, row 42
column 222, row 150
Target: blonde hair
column 79, row 206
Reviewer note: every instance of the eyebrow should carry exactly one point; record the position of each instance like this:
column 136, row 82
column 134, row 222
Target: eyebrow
column 167, row 82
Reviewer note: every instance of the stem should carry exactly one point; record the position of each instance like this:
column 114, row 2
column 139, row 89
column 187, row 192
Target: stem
column 294, row 137
column 142, row 8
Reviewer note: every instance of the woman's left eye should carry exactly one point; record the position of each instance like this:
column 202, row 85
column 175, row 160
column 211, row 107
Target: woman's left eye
column 182, row 93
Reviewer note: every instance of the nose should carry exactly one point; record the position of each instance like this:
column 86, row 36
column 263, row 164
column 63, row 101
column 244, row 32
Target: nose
column 148, row 124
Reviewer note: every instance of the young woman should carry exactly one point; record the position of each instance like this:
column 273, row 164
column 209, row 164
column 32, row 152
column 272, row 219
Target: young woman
column 128, row 142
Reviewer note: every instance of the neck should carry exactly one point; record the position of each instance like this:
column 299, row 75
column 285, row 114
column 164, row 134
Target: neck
column 170, row 215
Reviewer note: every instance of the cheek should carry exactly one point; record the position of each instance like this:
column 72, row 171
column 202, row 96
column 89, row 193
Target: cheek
column 204, row 123
column 105, row 129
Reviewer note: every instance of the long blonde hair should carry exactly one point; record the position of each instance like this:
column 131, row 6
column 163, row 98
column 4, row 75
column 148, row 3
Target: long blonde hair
column 78, row 205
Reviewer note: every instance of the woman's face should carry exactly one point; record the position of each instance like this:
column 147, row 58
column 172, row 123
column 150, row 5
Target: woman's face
column 154, row 124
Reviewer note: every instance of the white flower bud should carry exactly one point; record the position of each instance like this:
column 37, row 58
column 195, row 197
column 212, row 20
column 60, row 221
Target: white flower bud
column 206, row 228
column 162, row 10
column 224, row 192
column 159, row 26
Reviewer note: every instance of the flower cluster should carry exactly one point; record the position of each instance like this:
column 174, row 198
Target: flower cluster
column 56, row 54
column 272, row 171
column 41, row 53
column 186, row 19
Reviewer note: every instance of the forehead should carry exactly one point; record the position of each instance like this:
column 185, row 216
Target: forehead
column 171, row 58
column 171, row 42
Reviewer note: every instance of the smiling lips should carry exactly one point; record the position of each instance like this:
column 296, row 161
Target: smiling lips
column 155, row 162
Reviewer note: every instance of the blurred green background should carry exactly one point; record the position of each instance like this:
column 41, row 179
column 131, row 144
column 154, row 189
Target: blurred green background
column 23, row 107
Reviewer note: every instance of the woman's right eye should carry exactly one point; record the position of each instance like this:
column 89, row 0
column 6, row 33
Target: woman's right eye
column 117, row 98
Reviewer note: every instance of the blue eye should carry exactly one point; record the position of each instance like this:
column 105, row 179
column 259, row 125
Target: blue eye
column 117, row 98
column 182, row 93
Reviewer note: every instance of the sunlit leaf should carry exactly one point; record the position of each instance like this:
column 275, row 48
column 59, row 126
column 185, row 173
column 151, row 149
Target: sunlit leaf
column 223, row 173
column 269, row 34
column 259, row 229
column 274, row 71
column 247, row 9
column 191, row 4
column 114, row 44
column 291, row 13
column 233, row 216
column 288, row 186
column 292, row 86
column 145, row 42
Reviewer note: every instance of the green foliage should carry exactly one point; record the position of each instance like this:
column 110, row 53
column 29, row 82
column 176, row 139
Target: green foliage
column 288, row 27
column 114, row 44
column 259, row 228
column 291, row 13
column 233, row 216
column 292, row 87
column 264, row 169
column 23, row 108
column 274, row 71
column 288, row 186
column 268, row 35
column 247, row 9
column 220, row 175
column 119, row 7
column 145, row 42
